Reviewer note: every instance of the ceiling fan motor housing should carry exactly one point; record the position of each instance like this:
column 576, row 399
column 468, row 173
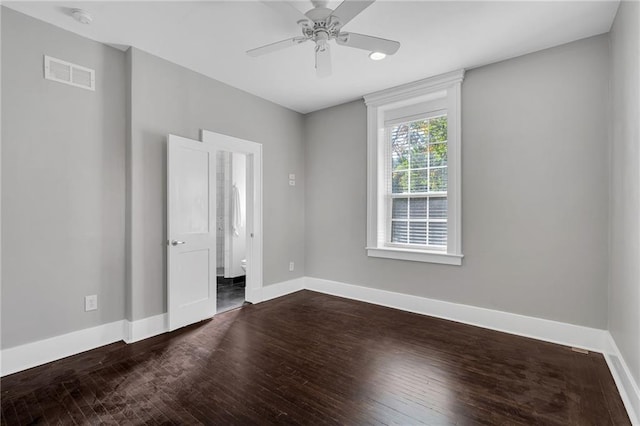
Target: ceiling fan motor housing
column 324, row 25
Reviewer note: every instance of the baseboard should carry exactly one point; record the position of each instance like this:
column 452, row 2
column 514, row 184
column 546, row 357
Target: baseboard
column 627, row 386
column 41, row 352
column 158, row 324
column 145, row 328
column 19, row 358
column 537, row 328
column 282, row 289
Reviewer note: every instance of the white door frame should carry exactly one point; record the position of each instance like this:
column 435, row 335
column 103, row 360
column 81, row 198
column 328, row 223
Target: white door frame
column 253, row 151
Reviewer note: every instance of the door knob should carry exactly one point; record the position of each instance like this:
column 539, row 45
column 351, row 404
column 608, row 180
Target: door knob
column 176, row 242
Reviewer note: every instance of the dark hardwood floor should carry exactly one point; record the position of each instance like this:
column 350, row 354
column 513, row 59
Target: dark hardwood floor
column 309, row 358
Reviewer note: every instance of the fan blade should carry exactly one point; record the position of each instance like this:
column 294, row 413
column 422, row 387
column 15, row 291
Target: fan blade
column 323, row 60
column 370, row 43
column 348, row 10
column 273, row 47
column 289, row 11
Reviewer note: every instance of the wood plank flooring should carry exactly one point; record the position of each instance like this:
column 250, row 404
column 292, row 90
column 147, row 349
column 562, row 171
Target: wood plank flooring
column 309, row 358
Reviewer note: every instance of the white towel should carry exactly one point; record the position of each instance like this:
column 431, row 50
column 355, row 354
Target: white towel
column 235, row 211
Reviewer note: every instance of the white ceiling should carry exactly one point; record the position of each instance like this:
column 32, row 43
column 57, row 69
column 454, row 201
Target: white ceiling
column 436, row 37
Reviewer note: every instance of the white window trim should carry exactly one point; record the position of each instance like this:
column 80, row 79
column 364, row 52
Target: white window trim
column 404, row 97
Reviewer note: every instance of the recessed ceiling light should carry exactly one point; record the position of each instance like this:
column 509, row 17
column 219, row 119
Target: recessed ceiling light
column 377, row 56
column 81, row 16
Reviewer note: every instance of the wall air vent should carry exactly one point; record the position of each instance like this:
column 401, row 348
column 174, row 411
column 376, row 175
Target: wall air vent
column 68, row 73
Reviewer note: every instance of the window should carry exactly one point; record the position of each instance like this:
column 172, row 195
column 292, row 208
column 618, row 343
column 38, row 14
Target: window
column 414, row 171
column 418, row 184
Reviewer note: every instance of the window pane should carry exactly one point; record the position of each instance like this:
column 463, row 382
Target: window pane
column 418, row 208
column 438, row 154
column 437, row 208
column 399, row 182
column 398, row 231
column 399, row 160
column 419, row 132
column 418, row 181
column 419, row 144
column 419, row 157
column 438, row 129
column 399, row 208
column 418, row 233
column 438, row 233
column 400, row 137
column 400, row 147
column 437, row 179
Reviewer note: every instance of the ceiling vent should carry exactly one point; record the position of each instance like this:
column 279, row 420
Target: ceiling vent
column 68, row 73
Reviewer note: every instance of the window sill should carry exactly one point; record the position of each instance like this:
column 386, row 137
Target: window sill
column 415, row 255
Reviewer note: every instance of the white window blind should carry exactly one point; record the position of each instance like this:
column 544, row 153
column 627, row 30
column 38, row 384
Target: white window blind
column 417, row 182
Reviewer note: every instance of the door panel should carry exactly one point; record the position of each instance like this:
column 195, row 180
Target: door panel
column 191, row 291
column 193, row 274
column 192, row 192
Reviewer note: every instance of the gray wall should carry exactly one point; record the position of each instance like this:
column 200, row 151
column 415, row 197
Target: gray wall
column 624, row 285
column 63, row 183
column 535, row 192
column 167, row 98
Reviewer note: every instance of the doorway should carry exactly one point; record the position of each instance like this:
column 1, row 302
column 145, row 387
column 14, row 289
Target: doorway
column 194, row 226
column 231, row 229
column 238, row 219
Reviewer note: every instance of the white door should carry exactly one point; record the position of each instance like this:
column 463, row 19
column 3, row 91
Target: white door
column 191, row 245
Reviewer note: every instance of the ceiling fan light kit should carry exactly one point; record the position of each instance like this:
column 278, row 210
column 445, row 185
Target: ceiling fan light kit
column 321, row 25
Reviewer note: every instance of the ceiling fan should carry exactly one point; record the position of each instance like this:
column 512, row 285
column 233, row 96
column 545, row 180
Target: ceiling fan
column 322, row 25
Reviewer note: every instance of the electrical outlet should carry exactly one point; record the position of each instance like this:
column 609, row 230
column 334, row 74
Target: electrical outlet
column 292, row 183
column 91, row 303
column 291, row 266
column 292, row 177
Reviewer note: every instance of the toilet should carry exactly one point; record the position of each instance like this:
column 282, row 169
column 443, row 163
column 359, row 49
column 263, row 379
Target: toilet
column 243, row 263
